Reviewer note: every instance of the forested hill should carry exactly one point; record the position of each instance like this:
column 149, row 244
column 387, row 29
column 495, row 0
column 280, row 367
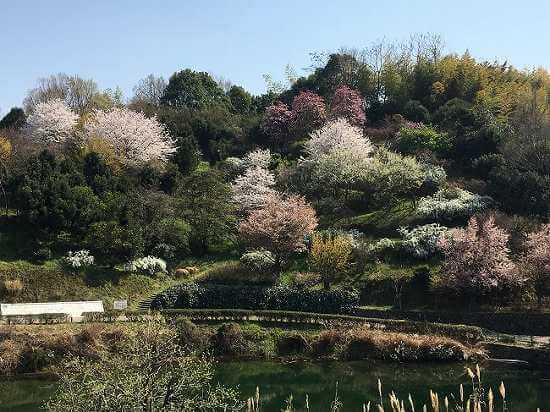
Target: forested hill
column 391, row 144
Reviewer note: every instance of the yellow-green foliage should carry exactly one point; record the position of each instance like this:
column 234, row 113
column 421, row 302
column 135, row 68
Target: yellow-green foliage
column 330, row 256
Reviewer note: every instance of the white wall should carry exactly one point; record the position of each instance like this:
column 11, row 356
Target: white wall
column 73, row 309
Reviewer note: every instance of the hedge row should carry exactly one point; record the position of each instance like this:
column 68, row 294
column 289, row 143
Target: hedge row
column 193, row 295
column 516, row 323
column 41, row 318
column 463, row 333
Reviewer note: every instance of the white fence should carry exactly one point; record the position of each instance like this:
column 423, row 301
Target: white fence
column 72, row 309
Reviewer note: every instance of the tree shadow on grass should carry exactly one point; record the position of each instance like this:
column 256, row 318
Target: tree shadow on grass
column 97, row 276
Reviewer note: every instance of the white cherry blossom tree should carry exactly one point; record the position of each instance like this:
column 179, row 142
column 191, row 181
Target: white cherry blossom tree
column 251, row 189
column 337, row 154
column 133, row 137
column 52, row 122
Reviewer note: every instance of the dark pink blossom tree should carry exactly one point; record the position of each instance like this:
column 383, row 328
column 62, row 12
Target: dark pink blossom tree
column 277, row 122
column 348, row 103
column 309, row 113
column 477, row 259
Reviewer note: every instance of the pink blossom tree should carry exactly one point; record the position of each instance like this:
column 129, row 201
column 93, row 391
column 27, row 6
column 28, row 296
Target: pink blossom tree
column 536, row 260
column 277, row 122
column 133, row 137
column 477, row 259
column 348, row 103
column 309, row 113
column 52, row 122
column 280, row 226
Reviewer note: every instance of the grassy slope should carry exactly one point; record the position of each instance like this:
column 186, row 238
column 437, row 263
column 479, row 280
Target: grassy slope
column 382, row 222
column 50, row 282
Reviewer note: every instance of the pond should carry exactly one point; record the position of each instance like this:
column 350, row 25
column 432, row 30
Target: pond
column 357, row 383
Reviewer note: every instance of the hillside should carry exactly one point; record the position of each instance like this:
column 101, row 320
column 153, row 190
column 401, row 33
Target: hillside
column 420, row 183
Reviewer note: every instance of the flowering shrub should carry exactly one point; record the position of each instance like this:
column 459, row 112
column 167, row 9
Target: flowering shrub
column 330, row 256
column 421, row 242
column 382, row 248
column 148, row 264
column 79, row 259
column 251, row 190
column 258, row 260
column 257, row 158
column 452, row 204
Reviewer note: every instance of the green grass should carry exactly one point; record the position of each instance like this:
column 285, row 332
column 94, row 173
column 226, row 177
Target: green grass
column 383, row 222
column 51, row 282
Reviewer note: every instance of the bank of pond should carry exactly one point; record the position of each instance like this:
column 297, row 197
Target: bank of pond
column 356, row 381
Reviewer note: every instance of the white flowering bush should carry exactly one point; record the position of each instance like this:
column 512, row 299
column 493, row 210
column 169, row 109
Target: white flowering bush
column 452, row 204
column 434, row 176
column 79, row 259
column 383, row 248
column 148, row 265
column 258, row 260
column 421, row 241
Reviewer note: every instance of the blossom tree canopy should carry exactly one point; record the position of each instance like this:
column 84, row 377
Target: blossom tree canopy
column 338, row 135
column 251, row 189
column 536, row 259
column 52, row 122
column 134, row 137
column 257, row 158
column 338, row 153
column 277, row 122
column 348, row 103
column 477, row 258
column 309, row 113
column 280, row 226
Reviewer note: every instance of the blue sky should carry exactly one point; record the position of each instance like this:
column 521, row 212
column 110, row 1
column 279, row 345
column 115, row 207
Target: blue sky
column 118, row 42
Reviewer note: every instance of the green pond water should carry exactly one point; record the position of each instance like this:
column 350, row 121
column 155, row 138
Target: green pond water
column 526, row 389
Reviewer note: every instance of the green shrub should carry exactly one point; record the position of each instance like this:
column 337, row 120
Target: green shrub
column 191, row 335
column 411, row 140
column 292, row 343
column 416, row 112
column 192, row 295
column 229, row 340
